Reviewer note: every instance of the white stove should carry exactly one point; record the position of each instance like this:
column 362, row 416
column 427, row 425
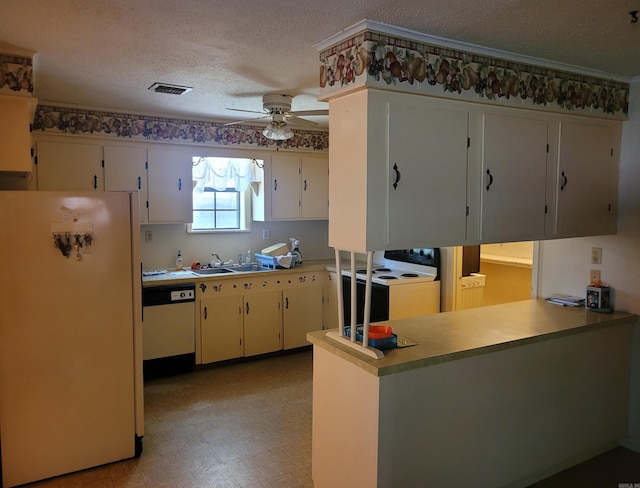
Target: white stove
column 402, row 267
column 416, row 269
column 387, row 276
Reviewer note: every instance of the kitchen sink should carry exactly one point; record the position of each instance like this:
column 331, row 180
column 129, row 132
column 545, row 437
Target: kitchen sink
column 211, row 271
column 245, row 268
column 249, row 267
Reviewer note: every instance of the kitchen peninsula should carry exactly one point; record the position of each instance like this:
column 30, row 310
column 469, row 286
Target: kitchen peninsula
column 495, row 396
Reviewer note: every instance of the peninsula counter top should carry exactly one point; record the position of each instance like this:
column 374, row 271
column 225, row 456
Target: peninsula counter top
column 450, row 336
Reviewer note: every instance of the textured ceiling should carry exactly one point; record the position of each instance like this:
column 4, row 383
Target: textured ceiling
column 104, row 54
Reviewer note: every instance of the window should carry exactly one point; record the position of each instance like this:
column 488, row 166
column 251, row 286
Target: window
column 219, row 198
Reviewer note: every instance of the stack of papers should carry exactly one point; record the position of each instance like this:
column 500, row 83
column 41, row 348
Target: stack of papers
column 566, row 300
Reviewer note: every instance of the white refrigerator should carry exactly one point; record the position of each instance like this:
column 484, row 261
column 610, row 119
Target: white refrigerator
column 70, row 332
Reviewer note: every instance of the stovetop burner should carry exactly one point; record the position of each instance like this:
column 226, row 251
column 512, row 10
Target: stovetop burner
column 364, row 271
column 388, row 277
column 383, row 270
column 409, row 275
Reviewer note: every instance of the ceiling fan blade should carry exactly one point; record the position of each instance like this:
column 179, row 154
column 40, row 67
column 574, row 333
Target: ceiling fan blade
column 308, row 113
column 248, row 111
column 293, row 120
column 236, row 122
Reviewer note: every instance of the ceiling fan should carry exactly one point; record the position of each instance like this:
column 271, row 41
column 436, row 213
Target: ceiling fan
column 278, row 109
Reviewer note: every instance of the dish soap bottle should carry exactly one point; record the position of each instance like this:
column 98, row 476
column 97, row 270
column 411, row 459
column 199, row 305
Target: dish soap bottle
column 179, row 261
column 247, row 257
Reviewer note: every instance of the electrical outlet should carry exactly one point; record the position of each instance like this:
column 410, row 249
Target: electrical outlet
column 596, row 255
column 594, row 275
column 148, row 236
column 265, row 233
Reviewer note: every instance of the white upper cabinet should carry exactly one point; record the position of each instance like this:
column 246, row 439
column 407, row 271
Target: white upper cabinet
column 69, row 167
column 402, row 176
column 285, row 187
column 314, row 175
column 292, row 187
column 585, row 177
column 170, row 185
column 16, row 114
column 513, row 148
column 427, row 163
column 398, row 169
column 125, row 169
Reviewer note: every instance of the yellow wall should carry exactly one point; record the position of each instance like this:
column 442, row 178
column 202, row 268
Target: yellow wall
column 505, row 283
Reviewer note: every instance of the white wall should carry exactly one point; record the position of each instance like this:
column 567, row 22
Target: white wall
column 564, row 264
column 167, row 239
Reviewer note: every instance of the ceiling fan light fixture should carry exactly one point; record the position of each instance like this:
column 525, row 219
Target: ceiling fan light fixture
column 277, row 132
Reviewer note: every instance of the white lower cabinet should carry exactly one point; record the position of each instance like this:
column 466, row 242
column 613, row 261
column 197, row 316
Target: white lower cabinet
column 262, row 322
column 221, row 325
column 302, row 313
column 259, row 314
column 331, row 302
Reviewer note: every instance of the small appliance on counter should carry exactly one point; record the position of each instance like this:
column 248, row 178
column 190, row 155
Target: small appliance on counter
column 279, row 249
column 294, row 249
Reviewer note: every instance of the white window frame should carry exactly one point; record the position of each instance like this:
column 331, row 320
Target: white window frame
column 245, row 196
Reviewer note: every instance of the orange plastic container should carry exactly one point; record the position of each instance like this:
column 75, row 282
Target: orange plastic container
column 380, row 331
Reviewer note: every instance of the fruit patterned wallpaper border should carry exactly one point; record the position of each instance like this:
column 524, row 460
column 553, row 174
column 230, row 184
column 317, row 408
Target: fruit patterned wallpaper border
column 16, row 74
column 379, row 60
column 149, row 128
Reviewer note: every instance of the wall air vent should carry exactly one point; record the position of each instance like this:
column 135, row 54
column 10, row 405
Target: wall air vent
column 171, row 89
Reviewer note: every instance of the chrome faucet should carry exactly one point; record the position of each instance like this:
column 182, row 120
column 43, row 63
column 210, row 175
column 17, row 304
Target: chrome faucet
column 240, row 258
column 218, row 258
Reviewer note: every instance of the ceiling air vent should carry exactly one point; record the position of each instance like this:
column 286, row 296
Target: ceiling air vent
column 171, row 89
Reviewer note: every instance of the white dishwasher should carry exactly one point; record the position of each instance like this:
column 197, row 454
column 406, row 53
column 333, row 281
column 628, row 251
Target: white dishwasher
column 168, row 325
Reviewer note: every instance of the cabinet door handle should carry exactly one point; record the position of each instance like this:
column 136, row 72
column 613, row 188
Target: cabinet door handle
column 397, row 175
column 286, row 301
column 305, row 185
column 95, row 182
column 490, row 179
column 247, row 308
column 564, row 181
column 179, row 184
column 275, row 185
column 139, row 183
column 205, row 313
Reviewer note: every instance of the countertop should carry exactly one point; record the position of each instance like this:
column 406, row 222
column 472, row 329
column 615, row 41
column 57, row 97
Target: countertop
column 456, row 335
column 174, row 276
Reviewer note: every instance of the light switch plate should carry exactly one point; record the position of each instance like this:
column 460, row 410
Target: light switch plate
column 596, row 255
column 594, row 275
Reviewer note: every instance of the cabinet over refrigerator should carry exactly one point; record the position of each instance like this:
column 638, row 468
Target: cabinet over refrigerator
column 70, row 333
